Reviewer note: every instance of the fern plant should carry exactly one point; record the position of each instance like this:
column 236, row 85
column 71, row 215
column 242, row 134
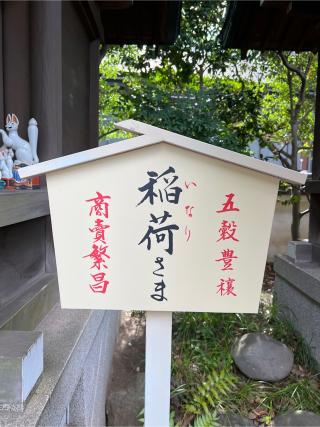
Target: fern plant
column 207, row 420
column 171, row 420
column 212, row 392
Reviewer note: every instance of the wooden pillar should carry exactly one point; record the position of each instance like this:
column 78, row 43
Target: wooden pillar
column 16, row 62
column 314, row 224
column 2, row 113
column 46, row 83
column 46, row 91
column 94, row 56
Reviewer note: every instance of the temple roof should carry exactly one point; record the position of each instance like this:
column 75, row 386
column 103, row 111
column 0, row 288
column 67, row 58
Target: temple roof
column 272, row 25
column 132, row 21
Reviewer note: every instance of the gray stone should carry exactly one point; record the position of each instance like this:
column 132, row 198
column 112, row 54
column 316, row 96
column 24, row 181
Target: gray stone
column 305, row 277
column 26, row 311
column 297, row 291
column 297, row 419
column 300, row 251
column 261, row 357
column 21, row 364
column 78, row 348
column 234, row 420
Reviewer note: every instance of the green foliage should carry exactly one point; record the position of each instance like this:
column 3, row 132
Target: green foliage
column 180, row 87
column 207, row 420
column 196, row 88
column 288, row 102
column 140, row 418
column 196, row 51
column 214, row 115
column 206, row 379
column 286, row 122
column 171, row 420
column 212, row 392
column 302, row 394
column 221, row 115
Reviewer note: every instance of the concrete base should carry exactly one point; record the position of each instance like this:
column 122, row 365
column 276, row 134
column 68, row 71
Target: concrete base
column 78, row 348
column 297, row 290
column 26, row 311
column 21, row 364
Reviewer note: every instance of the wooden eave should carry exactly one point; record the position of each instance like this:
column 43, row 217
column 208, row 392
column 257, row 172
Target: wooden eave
column 151, row 135
column 132, row 22
column 272, row 25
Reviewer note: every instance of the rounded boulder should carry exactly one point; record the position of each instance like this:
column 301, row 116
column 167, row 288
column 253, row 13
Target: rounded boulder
column 297, row 419
column 261, row 357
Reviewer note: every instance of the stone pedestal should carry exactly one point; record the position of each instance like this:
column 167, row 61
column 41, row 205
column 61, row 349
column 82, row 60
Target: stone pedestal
column 78, row 348
column 297, row 290
column 21, row 364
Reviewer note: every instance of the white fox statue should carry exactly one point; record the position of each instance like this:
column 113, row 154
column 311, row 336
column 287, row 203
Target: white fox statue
column 6, row 164
column 25, row 152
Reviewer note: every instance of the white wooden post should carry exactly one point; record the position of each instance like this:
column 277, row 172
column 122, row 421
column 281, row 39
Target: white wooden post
column 158, row 368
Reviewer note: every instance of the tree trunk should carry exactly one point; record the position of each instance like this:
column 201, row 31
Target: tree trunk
column 201, row 75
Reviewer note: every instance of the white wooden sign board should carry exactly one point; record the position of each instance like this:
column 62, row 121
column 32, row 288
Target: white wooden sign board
column 161, row 222
column 190, row 273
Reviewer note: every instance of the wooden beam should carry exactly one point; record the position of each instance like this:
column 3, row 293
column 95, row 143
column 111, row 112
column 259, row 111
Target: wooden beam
column 313, row 186
column 115, row 4
column 314, row 221
column 90, row 14
column 19, row 206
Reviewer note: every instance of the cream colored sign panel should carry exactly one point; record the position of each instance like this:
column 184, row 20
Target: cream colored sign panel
column 161, row 228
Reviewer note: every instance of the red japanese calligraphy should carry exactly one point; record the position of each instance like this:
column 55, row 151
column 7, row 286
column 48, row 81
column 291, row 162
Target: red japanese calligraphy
column 187, row 233
column 100, row 207
column 228, row 206
column 190, row 184
column 99, row 230
column 226, row 287
column 98, row 256
column 188, row 210
column 101, row 285
column 227, row 231
column 227, row 257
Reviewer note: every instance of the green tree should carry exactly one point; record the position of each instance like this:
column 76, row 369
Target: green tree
column 221, row 113
column 196, row 88
column 196, row 52
column 180, row 87
column 287, row 116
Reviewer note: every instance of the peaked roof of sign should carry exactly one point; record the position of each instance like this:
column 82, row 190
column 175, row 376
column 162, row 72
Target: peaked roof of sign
column 151, row 135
